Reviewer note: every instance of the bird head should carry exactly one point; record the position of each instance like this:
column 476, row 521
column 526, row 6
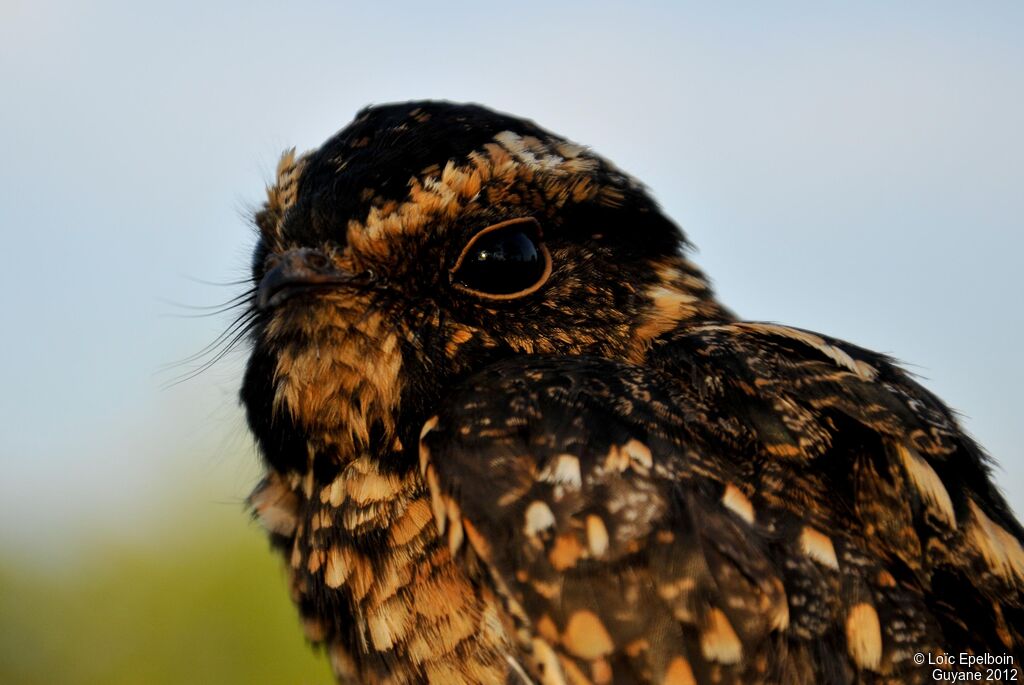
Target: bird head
column 428, row 239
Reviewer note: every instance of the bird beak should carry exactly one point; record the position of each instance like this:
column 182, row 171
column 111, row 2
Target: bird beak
column 302, row 270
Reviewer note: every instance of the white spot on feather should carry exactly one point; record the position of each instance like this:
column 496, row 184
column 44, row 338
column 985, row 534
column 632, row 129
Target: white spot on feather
column 538, row 517
column 562, row 470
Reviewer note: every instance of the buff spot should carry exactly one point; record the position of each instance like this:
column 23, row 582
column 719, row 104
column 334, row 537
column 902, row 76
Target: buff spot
column 637, row 647
column 819, row 547
column 342, row 663
column 885, row 579
column 718, row 641
column 601, row 672
column 480, row 544
column 458, row 338
column 778, row 613
column 430, row 425
column 840, row 356
column 734, row 500
column 314, row 629
column 335, row 492
column 282, row 195
column 586, row 637
column 639, row 454
column 456, row 533
column 437, row 504
column 573, row 673
column 670, row 304
column 337, row 570
column 927, row 483
column 597, row 535
column 322, row 519
column 864, row 636
column 389, row 622
column 370, row 487
column 362, row 573
column 547, row 629
column 315, row 561
column 346, row 565
column 413, row 520
column 1001, row 550
column 275, row 506
column 565, row 552
column 679, row 672
column 634, row 454
column 547, row 662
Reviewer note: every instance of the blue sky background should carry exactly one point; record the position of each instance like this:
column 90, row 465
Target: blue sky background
column 849, row 168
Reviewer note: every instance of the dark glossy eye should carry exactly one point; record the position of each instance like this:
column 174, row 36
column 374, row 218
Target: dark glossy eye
column 503, row 261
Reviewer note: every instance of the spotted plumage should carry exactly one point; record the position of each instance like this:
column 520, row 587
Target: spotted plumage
column 510, row 435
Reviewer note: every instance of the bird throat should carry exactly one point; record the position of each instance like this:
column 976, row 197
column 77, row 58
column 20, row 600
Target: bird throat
column 338, row 383
column 373, row 580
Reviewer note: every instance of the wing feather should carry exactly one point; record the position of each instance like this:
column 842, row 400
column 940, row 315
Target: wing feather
column 761, row 504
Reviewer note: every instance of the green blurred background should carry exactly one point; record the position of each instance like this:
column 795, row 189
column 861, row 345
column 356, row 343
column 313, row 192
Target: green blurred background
column 852, row 168
column 206, row 604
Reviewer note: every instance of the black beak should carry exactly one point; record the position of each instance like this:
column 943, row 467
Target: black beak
column 300, row 271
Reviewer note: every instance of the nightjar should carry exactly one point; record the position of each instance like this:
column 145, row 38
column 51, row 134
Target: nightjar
column 511, row 436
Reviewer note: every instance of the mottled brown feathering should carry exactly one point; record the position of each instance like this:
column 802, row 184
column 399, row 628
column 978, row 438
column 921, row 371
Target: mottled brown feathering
column 511, row 436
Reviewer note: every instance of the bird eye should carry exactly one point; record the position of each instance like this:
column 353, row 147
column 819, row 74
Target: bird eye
column 503, row 261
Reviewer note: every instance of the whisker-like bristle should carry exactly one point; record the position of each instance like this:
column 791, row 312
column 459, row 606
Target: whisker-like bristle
column 241, row 320
column 213, row 309
column 227, row 347
column 228, row 284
